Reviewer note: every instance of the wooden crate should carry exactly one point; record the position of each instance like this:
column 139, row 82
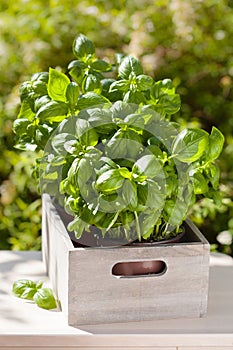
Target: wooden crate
column 89, row 293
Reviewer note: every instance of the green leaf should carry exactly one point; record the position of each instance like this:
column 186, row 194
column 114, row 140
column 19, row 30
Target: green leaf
column 28, row 293
column 119, row 85
column 77, row 70
column 170, row 104
column 72, row 93
column 125, row 173
column 40, row 76
column 91, row 99
column 41, row 101
column 20, row 126
column 59, row 141
column 200, row 183
column 45, row 299
column 20, row 286
column 161, row 88
column 101, row 66
column 86, row 133
column 129, row 66
column 147, row 165
column 42, row 135
column 124, row 144
column 175, row 212
column 77, row 64
column 83, row 47
column 214, row 175
column 101, row 120
column 92, row 83
column 109, row 181
column 26, row 111
column 129, row 194
column 155, row 196
column 190, row 144
column 111, row 95
column 57, row 85
column 144, row 82
column 148, row 220
column 39, row 88
column 216, row 142
column 53, row 111
column 134, row 97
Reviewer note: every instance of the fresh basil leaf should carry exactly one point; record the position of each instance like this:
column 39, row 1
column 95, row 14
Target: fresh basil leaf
column 175, row 211
column 190, row 144
column 42, row 135
column 155, row 196
column 216, row 142
column 144, row 82
column 59, row 141
column 28, row 293
column 134, row 97
column 83, row 47
column 53, row 111
column 85, row 173
column 101, row 66
column 86, row 133
column 45, row 299
column 214, row 175
column 101, row 120
column 39, row 88
column 20, row 126
column 129, row 66
column 125, row 173
column 109, row 182
column 40, row 101
column 77, row 70
column 161, row 88
column 129, row 194
column 20, row 286
column 92, row 83
column 110, row 203
column 77, row 64
column 148, row 220
column 57, row 85
column 121, row 110
column 26, row 111
column 112, row 96
column 147, row 165
column 200, row 183
column 169, row 104
column 91, row 99
column 72, row 93
column 40, row 76
column 120, row 85
column 124, row 144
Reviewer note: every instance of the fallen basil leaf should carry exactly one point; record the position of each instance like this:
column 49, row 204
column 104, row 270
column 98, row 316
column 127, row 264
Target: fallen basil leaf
column 45, row 299
column 20, row 286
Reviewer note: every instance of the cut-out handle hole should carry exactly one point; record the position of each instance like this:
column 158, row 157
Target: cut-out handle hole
column 139, row 268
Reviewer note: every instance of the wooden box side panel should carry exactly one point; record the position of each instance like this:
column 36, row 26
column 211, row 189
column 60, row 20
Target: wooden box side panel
column 55, row 248
column 90, row 294
column 96, row 296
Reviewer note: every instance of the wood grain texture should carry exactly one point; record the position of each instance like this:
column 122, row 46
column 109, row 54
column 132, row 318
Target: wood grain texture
column 90, row 294
column 89, row 348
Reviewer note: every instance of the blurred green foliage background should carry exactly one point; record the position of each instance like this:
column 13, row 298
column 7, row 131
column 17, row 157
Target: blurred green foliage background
column 187, row 41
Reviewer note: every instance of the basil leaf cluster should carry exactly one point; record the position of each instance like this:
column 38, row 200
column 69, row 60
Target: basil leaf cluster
column 30, row 290
column 114, row 154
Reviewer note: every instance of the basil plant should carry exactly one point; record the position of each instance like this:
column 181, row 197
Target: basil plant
column 111, row 151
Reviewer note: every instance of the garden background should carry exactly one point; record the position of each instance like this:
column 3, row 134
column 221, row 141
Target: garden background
column 187, row 41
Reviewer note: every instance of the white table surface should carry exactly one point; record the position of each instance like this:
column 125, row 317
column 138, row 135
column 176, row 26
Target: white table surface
column 25, row 326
